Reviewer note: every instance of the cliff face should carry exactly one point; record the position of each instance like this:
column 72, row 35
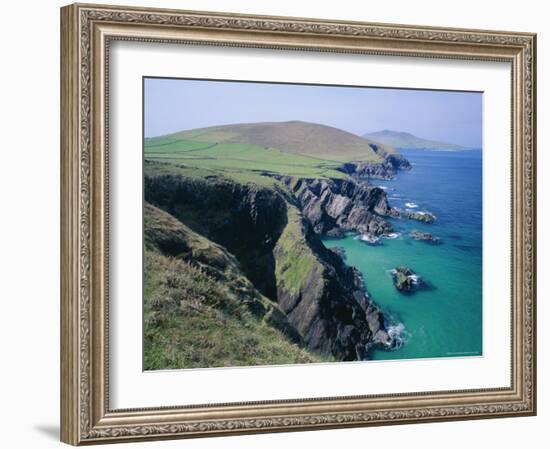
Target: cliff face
column 200, row 310
column 336, row 206
column 280, row 253
column 247, row 219
column 324, row 298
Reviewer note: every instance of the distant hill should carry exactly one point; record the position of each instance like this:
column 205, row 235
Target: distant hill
column 297, row 137
column 292, row 148
column 407, row 141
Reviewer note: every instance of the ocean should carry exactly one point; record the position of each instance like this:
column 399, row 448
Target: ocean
column 444, row 320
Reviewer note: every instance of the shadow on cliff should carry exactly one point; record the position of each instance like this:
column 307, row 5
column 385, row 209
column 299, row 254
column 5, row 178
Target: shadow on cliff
column 246, row 219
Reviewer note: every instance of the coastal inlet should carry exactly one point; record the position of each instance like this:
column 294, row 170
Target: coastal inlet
column 446, row 319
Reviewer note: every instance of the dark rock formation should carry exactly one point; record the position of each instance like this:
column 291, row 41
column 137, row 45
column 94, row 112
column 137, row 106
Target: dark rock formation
column 334, row 206
column 425, row 217
column 328, row 304
column 382, row 170
column 425, row 237
column 405, row 279
column 244, row 218
column 340, row 251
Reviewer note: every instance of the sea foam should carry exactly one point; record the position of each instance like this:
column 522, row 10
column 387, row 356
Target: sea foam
column 398, row 335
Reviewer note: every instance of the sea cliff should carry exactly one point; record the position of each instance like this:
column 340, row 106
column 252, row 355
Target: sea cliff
column 334, row 206
column 270, row 230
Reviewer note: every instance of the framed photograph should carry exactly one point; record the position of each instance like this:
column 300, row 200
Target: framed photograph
column 279, row 224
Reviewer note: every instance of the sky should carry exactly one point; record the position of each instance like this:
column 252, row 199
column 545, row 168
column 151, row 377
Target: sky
column 172, row 105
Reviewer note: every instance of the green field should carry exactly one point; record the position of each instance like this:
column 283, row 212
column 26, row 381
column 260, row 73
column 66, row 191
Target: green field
column 290, row 148
column 237, row 157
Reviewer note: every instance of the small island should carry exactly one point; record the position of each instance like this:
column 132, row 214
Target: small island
column 405, row 279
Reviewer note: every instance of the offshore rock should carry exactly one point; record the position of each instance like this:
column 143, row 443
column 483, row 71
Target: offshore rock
column 425, row 237
column 405, row 279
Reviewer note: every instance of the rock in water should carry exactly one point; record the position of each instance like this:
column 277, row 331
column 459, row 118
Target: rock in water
column 405, row 279
column 425, row 217
column 426, row 237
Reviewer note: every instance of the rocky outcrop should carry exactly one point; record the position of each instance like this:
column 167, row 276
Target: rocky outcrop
column 334, row 206
column 425, row 217
column 398, row 161
column 425, row 237
column 381, row 170
column 340, row 251
column 278, row 250
column 405, row 279
column 392, row 162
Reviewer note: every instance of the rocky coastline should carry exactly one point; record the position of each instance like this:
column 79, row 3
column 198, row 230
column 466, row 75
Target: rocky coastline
column 273, row 235
column 337, row 206
column 275, row 240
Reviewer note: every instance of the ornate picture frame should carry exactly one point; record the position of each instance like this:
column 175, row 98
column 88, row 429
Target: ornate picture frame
column 87, row 32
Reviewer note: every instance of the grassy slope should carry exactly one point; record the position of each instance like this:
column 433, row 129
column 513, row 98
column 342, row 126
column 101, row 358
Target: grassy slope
column 193, row 320
column 292, row 148
column 297, row 260
column 409, row 141
column 158, row 168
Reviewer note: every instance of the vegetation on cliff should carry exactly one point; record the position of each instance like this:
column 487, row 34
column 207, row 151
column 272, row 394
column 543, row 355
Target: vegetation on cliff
column 200, row 310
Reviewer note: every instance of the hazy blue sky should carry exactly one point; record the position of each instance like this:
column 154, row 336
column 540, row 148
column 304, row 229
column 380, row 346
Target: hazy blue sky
column 174, row 105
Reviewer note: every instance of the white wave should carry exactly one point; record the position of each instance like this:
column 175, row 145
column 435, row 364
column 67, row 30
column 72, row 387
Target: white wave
column 411, row 205
column 369, row 238
column 398, row 335
column 414, row 278
column 392, row 235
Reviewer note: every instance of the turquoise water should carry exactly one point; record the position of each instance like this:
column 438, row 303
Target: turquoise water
column 445, row 320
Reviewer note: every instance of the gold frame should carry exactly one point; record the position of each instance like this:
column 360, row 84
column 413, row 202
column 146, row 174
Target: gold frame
column 86, row 31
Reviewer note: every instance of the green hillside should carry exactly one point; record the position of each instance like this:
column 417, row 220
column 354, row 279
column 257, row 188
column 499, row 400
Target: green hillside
column 407, row 141
column 293, row 148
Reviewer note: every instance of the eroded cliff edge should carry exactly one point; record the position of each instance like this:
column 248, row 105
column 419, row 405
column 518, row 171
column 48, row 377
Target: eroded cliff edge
column 391, row 163
column 334, row 206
